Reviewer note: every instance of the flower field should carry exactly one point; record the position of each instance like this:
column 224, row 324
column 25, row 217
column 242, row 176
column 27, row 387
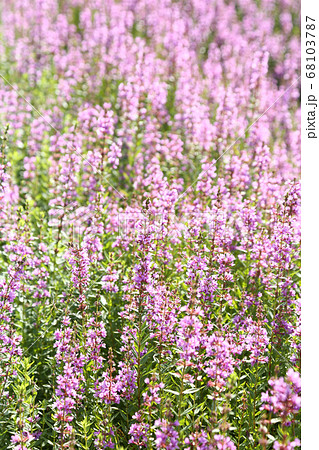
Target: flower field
column 150, row 224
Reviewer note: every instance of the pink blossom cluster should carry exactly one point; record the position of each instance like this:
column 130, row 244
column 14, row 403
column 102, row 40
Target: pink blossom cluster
column 150, row 223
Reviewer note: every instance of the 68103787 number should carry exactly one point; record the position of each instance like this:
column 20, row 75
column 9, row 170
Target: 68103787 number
column 310, row 47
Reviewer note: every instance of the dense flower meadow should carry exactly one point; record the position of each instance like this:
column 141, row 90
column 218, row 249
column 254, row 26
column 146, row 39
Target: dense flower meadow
column 150, row 224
